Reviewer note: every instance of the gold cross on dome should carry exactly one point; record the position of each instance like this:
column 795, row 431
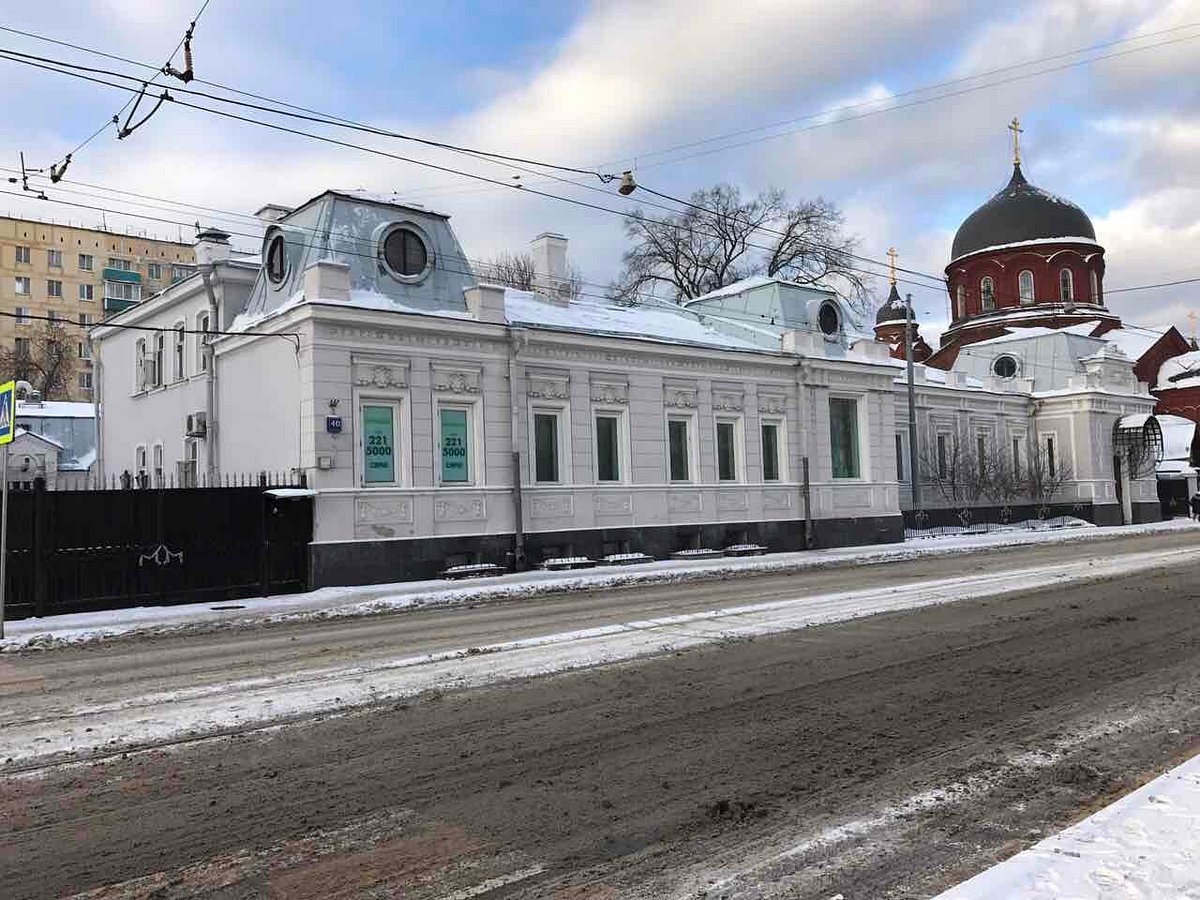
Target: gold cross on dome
column 892, row 264
column 1015, row 127
column 1191, row 317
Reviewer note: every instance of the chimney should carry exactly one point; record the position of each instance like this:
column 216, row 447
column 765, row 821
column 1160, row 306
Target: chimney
column 273, row 212
column 212, row 245
column 550, row 275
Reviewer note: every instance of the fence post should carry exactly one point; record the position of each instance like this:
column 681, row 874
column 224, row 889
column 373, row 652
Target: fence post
column 41, row 548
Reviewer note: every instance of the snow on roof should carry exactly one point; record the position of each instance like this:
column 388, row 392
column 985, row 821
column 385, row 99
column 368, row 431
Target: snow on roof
column 1021, row 335
column 392, row 199
column 22, row 432
column 676, row 325
column 1179, row 372
column 55, row 409
column 1178, row 434
column 738, row 287
column 1132, row 340
column 1034, row 241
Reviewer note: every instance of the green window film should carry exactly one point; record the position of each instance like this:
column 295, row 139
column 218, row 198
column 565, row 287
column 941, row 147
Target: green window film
column 726, row 458
column 770, row 449
column 379, row 445
column 843, row 432
column 456, row 463
column 677, row 439
column 607, row 459
column 900, row 458
column 545, row 446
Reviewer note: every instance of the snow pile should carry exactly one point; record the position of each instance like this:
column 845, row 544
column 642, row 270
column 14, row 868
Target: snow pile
column 1053, row 524
column 1147, row 844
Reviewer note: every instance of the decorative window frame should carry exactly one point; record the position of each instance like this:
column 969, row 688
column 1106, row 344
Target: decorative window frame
column 624, row 455
column 400, row 402
column 385, row 231
column 561, row 411
column 1069, row 284
column 737, row 420
column 459, row 386
column 179, row 351
column 862, row 435
column 987, row 293
column 1030, row 297
column 779, row 421
column 682, row 414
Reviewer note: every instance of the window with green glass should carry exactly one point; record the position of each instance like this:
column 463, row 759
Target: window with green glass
column 545, row 446
column 770, row 451
column 608, row 463
column 677, row 449
column 726, row 452
column 843, row 433
column 456, row 446
column 379, row 444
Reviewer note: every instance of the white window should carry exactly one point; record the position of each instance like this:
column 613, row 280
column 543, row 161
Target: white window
column 139, row 459
column 1095, row 285
column 141, row 377
column 120, row 264
column 680, row 449
column 547, row 445
column 1066, row 286
column 158, row 466
column 86, row 262
column 121, row 290
column 611, row 456
column 202, row 342
column 22, row 313
column 843, row 435
column 987, row 293
column 1025, row 286
column 87, row 292
column 53, row 288
column 178, row 273
column 729, row 454
column 456, row 463
column 960, row 301
column 84, row 349
column 154, row 271
column 772, row 450
column 23, row 255
column 85, row 381
column 21, row 285
column 54, row 259
column 160, row 355
column 86, row 320
column 180, row 349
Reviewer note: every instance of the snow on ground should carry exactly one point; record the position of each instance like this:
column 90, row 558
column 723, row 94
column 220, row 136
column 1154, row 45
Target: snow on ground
column 1145, row 845
column 258, row 701
column 338, row 602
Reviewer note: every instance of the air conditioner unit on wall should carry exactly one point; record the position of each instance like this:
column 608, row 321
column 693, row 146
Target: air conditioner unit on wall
column 197, row 425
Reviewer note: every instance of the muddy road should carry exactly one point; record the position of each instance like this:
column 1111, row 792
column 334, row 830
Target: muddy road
column 881, row 757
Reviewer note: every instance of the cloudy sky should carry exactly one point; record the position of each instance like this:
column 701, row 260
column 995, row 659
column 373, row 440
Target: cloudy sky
column 820, row 98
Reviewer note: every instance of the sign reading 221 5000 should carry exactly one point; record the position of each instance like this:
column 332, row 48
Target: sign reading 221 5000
column 379, row 445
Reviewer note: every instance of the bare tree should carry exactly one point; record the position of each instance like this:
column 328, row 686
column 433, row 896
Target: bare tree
column 721, row 238
column 46, row 360
column 945, row 466
column 1045, row 476
column 518, row 270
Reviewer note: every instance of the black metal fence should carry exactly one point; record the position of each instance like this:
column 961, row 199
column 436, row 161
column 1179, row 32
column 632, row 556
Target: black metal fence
column 80, row 550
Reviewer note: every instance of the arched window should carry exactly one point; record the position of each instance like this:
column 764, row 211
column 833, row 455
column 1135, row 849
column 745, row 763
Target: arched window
column 987, row 292
column 1025, row 286
column 1095, row 280
column 960, row 300
column 1066, row 286
column 139, row 374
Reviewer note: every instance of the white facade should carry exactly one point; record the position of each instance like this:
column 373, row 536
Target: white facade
column 443, row 420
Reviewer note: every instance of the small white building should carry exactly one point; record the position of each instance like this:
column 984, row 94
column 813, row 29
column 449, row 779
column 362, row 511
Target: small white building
column 442, row 420
column 56, row 441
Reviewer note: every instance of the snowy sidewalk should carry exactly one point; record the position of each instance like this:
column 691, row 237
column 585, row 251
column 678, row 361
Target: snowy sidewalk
column 1145, row 845
column 339, row 602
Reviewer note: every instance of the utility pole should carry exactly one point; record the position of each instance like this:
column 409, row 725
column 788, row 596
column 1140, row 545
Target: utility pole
column 914, row 475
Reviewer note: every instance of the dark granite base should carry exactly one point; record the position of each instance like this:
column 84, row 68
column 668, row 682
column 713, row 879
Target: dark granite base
column 382, row 562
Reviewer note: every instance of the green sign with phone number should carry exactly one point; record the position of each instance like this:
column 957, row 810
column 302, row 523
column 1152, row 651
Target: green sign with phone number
column 455, row 463
column 379, row 443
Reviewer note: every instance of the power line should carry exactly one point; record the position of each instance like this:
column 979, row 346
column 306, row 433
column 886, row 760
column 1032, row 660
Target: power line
column 1147, row 287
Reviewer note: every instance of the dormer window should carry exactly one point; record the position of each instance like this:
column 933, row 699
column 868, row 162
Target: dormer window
column 404, row 253
column 1066, row 286
column 276, row 258
column 987, row 293
column 1025, row 287
column 828, row 319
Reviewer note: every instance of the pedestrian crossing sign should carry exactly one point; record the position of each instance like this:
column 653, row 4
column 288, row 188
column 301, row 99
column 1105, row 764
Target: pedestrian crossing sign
column 8, row 411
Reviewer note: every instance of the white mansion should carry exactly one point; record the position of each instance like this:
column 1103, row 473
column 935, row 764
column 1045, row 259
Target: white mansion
column 440, row 419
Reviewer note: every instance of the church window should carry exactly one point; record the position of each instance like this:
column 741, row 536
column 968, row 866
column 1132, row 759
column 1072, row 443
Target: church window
column 960, row 298
column 1005, row 366
column 987, row 293
column 843, row 433
column 1096, row 298
column 1025, row 286
column 1066, row 286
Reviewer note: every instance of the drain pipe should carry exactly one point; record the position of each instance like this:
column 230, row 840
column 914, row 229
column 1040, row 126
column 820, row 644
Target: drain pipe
column 517, row 342
column 210, row 398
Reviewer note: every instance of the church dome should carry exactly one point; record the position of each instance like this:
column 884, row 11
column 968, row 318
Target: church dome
column 1021, row 213
column 892, row 310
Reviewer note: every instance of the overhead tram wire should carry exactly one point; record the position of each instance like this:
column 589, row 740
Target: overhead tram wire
column 51, row 67
column 371, row 255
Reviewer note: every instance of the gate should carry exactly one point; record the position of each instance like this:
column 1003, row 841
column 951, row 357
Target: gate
column 75, row 551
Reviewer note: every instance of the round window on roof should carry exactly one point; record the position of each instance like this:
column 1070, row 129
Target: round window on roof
column 828, row 319
column 1005, row 366
column 275, row 258
column 405, row 254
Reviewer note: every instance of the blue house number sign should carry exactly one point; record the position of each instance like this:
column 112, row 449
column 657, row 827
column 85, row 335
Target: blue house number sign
column 333, row 424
